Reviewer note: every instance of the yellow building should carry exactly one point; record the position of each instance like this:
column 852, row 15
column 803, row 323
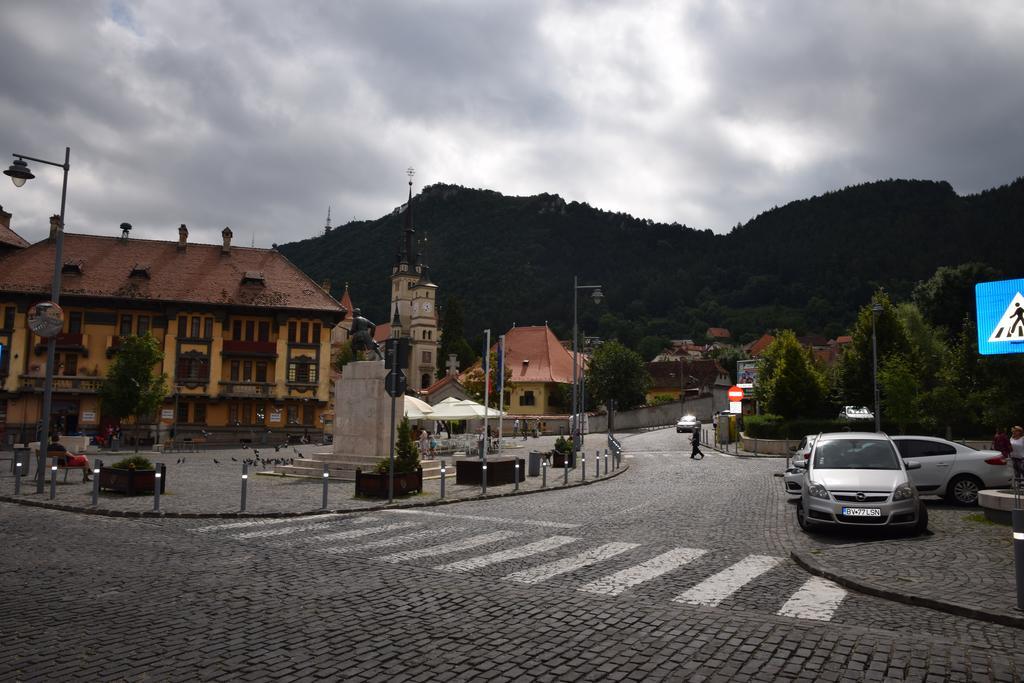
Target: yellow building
column 539, row 373
column 245, row 335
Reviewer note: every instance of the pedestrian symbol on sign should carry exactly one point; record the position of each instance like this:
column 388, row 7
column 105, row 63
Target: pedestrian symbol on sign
column 1011, row 324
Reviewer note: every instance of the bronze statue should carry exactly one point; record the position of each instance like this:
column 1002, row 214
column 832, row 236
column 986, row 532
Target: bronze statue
column 362, row 335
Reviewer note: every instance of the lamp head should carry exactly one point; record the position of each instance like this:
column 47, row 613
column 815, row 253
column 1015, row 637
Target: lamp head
column 597, row 296
column 19, row 172
column 876, row 308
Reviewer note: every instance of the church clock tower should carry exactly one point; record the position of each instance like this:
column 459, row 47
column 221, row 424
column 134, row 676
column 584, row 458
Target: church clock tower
column 414, row 299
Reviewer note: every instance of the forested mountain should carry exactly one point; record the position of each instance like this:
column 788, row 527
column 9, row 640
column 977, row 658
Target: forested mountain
column 808, row 265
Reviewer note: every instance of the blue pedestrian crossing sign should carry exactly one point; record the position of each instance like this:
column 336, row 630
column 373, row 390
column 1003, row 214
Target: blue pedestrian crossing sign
column 1000, row 316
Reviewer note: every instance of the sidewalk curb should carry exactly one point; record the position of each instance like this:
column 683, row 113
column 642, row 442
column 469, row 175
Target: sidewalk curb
column 996, row 617
column 149, row 514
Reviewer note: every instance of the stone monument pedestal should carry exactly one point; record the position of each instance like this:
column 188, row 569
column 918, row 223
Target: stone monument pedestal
column 362, row 427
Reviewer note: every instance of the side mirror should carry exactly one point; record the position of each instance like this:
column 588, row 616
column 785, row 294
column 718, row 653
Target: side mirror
column 912, row 464
column 802, row 464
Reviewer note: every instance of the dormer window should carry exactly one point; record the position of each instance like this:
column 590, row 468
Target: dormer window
column 140, row 270
column 71, row 268
column 253, row 277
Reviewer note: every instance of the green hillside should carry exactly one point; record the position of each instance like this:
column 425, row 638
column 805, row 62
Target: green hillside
column 807, row 265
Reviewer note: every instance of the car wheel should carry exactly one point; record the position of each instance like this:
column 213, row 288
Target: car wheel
column 801, row 518
column 963, row 490
column 922, row 519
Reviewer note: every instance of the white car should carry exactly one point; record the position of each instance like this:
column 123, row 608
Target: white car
column 856, row 413
column 687, row 423
column 793, row 475
column 951, row 470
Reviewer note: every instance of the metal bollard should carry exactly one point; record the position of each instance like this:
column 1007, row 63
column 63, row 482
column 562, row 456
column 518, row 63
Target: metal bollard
column 597, row 464
column 17, row 479
column 442, row 478
column 156, row 487
column 483, row 477
column 327, row 478
column 96, row 465
column 53, row 480
column 1017, row 517
column 565, row 481
column 583, row 465
column 245, row 481
column 606, row 462
column 544, row 473
column 517, row 475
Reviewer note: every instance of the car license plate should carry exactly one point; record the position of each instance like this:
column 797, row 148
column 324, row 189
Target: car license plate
column 862, row 512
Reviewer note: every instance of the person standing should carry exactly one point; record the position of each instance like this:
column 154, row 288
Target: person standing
column 1001, row 442
column 695, row 445
column 424, row 444
column 515, row 428
column 1017, row 453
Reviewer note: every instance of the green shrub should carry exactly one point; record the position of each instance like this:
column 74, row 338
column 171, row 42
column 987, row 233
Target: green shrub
column 406, row 455
column 774, row 427
column 135, row 462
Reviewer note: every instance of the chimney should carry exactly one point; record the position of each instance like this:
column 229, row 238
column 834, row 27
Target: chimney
column 326, row 285
column 226, row 234
column 5, row 218
column 182, row 237
column 54, row 227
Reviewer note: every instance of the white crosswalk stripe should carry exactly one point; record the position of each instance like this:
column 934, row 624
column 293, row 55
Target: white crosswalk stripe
column 618, row 582
column 403, row 539
column 568, row 564
column 448, row 548
column 266, row 533
column 266, row 522
column 817, row 599
column 718, row 587
column 361, row 531
column 480, row 518
column 480, row 561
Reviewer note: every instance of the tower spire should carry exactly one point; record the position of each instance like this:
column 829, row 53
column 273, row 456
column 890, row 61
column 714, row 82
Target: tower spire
column 327, row 225
column 410, row 256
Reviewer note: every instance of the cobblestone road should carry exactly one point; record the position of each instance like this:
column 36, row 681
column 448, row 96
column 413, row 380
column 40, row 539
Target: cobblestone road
column 677, row 570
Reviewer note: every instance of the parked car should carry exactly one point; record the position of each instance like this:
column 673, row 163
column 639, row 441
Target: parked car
column 951, row 470
column 792, row 476
column 856, row 413
column 687, row 423
column 858, row 479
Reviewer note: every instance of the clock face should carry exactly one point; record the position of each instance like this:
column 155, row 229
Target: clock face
column 426, row 307
column 415, row 306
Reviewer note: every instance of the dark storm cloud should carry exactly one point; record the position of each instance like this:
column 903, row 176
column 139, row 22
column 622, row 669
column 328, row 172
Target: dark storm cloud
column 259, row 116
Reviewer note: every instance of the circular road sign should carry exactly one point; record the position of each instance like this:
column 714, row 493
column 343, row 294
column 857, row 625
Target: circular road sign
column 735, row 394
column 46, row 319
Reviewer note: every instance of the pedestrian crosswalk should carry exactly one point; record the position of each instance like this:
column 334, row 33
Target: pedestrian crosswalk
column 530, row 555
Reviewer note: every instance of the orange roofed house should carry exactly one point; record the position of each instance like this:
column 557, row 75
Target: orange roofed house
column 539, row 376
column 245, row 335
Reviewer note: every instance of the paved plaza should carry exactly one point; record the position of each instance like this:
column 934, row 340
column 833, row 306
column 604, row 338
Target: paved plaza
column 676, row 569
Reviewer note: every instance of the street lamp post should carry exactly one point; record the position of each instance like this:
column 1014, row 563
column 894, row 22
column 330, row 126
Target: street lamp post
column 19, row 173
column 576, row 407
column 876, row 308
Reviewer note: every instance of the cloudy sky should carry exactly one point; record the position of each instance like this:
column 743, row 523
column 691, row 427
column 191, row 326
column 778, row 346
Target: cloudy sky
column 260, row 114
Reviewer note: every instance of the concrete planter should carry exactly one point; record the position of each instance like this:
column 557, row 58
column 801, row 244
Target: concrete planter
column 373, row 485
column 131, row 482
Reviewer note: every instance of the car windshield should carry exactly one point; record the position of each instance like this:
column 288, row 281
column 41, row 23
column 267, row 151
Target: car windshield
column 855, row 454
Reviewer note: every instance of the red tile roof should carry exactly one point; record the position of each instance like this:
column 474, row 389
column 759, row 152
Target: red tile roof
column 198, row 274
column 665, row 374
column 718, row 333
column 757, row 347
column 548, row 359
column 11, row 238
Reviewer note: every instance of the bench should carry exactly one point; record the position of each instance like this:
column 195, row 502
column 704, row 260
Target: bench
column 61, row 463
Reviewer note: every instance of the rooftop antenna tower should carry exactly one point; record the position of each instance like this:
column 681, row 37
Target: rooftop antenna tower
column 327, row 225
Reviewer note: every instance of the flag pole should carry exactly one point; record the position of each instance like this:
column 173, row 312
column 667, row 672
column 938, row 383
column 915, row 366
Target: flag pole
column 501, row 388
column 487, row 386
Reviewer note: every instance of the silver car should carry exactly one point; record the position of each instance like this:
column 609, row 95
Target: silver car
column 792, row 477
column 858, row 479
column 687, row 423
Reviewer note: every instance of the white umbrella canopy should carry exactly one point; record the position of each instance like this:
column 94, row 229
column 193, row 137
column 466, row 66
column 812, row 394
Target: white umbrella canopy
column 455, row 409
column 415, row 409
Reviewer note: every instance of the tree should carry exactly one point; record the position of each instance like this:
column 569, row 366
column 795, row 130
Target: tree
column 343, row 356
column 406, row 452
column 473, row 381
column 948, row 295
column 650, row 346
column 131, row 389
column 856, row 369
column 788, row 382
column 453, row 338
column 900, row 386
column 727, row 357
column 927, row 344
column 617, row 373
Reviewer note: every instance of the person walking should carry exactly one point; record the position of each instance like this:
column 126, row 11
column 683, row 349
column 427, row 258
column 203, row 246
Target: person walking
column 695, row 444
column 515, row 428
column 1017, row 454
column 424, row 444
